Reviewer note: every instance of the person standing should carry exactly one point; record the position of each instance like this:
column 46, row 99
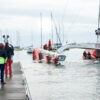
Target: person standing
column 84, row 55
column 3, row 59
column 9, row 51
column 12, row 52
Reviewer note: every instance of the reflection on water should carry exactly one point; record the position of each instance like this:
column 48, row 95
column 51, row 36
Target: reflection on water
column 75, row 80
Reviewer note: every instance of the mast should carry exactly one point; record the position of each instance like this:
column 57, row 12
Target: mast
column 98, row 23
column 99, row 15
column 58, row 38
column 0, row 35
column 98, row 30
column 59, row 31
column 41, row 28
column 32, row 39
column 51, row 28
column 63, row 31
column 18, row 38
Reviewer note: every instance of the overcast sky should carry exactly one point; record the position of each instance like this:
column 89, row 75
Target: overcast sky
column 77, row 20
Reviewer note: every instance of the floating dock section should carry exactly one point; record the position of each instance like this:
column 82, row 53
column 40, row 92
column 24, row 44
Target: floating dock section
column 14, row 89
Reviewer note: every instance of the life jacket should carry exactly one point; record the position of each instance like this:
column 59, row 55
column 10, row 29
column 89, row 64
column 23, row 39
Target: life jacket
column 3, row 56
column 3, row 60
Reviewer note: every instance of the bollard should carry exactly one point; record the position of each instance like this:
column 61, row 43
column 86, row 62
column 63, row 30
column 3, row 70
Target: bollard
column 34, row 55
column 47, row 59
column 56, row 60
column 53, row 60
column 39, row 57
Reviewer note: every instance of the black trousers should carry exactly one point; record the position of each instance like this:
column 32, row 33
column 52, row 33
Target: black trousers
column 2, row 68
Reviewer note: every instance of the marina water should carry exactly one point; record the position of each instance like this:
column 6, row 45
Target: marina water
column 74, row 80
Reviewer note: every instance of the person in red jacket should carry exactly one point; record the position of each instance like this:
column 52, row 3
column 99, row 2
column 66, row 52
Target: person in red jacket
column 49, row 45
column 9, row 49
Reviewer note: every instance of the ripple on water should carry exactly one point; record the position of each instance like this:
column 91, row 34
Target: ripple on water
column 72, row 81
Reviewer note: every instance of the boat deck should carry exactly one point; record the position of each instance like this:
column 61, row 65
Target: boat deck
column 14, row 89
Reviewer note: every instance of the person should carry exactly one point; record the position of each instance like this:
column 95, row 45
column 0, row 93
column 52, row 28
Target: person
column 88, row 55
column 45, row 47
column 12, row 52
column 49, row 45
column 9, row 49
column 3, row 59
column 84, row 55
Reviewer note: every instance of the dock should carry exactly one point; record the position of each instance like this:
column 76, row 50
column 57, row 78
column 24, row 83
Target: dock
column 14, row 89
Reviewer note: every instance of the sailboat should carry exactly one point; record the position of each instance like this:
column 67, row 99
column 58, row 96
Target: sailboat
column 30, row 48
column 92, row 50
column 94, row 53
column 58, row 44
column 46, row 53
column 17, row 46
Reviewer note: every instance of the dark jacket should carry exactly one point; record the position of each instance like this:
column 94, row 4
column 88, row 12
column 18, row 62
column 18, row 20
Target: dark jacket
column 9, row 51
column 12, row 50
column 3, row 56
column 3, row 53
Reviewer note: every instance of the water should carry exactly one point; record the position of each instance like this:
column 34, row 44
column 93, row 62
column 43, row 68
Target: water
column 74, row 80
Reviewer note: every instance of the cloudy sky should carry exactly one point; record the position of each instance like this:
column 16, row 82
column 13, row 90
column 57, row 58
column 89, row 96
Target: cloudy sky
column 76, row 20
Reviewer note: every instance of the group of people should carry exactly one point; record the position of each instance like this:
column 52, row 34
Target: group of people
column 45, row 46
column 6, row 53
column 86, row 55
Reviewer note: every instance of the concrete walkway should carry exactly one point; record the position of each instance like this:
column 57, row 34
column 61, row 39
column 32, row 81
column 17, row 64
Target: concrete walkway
column 14, row 89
